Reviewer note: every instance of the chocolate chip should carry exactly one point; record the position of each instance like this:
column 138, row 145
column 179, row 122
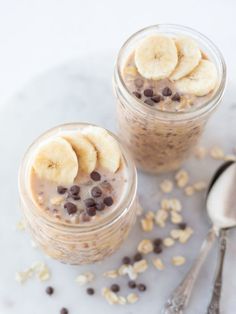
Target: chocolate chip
column 49, row 290
column 149, row 102
column 166, row 91
column 157, row 249
column 156, row 98
column 132, row 284
column 157, row 242
column 138, row 82
column 137, row 94
column 100, row 206
column 115, row 288
column 61, row 189
column 138, row 257
column 64, row 311
column 74, row 190
column 182, row 225
column 70, row 207
column 90, row 291
column 91, row 211
column 108, row 201
column 126, row 260
column 176, row 97
column 148, row 92
column 95, row 176
column 142, row 287
column 96, row 192
column 89, row 202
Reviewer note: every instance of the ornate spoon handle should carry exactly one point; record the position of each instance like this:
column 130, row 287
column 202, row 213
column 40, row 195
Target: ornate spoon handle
column 214, row 306
column 179, row 298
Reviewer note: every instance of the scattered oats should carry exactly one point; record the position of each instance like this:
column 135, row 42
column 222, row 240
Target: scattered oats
column 189, row 190
column 217, row 153
column 165, row 203
column 145, row 246
column 166, row 186
column 139, row 208
column 158, row 264
column 111, row 273
column 110, row 296
column 175, row 205
column 131, row 70
column 128, row 270
column 176, row 233
column 168, row 242
column 41, row 270
column 147, row 224
column 20, row 225
column 161, row 217
column 182, row 178
column 178, row 260
column 185, row 235
column 140, row 266
column 121, row 300
column 57, row 200
column 132, row 298
column 150, row 215
column 176, row 218
column 23, row 276
column 200, row 185
column 85, row 278
column 230, row 157
column 200, row 152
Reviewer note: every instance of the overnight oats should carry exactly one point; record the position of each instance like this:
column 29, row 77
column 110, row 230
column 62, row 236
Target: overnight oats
column 78, row 193
column 168, row 79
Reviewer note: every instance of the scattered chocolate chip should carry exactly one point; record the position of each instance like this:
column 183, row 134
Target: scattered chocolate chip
column 115, row 288
column 182, row 225
column 166, row 91
column 100, row 206
column 138, row 257
column 138, row 83
column 157, row 242
column 156, row 98
column 49, row 290
column 148, row 92
column 157, row 249
column 74, row 190
column 91, row 211
column 176, row 97
column 108, row 201
column 61, row 189
column 142, row 287
column 126, row 260
column 89, row 202
column 70, row 207
column 64, row 311
column 90, row 291
column 137, row 94
column 149, row 102
column 95, row 176
column 132, row 284
column 96, row 192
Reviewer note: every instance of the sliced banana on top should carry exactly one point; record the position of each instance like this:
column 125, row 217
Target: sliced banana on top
column 85, row 151
column 56, row 161
column 109, row 154
column 189, row 56
column 156, row 57
column 200, row 81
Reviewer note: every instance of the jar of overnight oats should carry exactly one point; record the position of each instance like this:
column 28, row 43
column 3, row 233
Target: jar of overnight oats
column 77, row 188
column 168, row 80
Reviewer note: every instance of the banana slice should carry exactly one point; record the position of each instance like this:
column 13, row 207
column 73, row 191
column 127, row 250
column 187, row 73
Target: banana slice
column 109, row 154
column 189, row 56
column 156, row 57
column 200, row 81
column 56, row 161
column 85, row 151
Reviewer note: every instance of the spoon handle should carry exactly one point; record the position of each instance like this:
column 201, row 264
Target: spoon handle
column 214, row 306
column 179, row 298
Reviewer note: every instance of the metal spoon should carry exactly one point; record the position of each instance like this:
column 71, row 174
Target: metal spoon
column 179, row 298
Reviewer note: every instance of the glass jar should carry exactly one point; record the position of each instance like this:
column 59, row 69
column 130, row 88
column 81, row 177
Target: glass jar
column 161, row 140
column 78, row 243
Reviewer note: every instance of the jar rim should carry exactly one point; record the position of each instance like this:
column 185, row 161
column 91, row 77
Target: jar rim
column 117, row 213
column 139, row 105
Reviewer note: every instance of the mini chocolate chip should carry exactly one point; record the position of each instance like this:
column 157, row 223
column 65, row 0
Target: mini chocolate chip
column 142, row 287
column 156, row 98
column 61, row 189
column 108, row 201
column 89, row 202
column 115, row 288
column 70, row 207
column 138, row 82
column 96, row 192
column 176, row 97
column 157, row 242
column 182, row 225
column 157, row 249
column 137, row 94
column 126, row 260
column 132, row 284
column 49, row 290
column 138, row 257
column 148, row 92
column 95, row 176
column 166, row 91
column 90, row 291
column 149, row 102
column 100, row 206
column 64, row 311
column 74, row 189
column 91, row 211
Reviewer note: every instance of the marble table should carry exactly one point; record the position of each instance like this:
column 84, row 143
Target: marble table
column 82, row 91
